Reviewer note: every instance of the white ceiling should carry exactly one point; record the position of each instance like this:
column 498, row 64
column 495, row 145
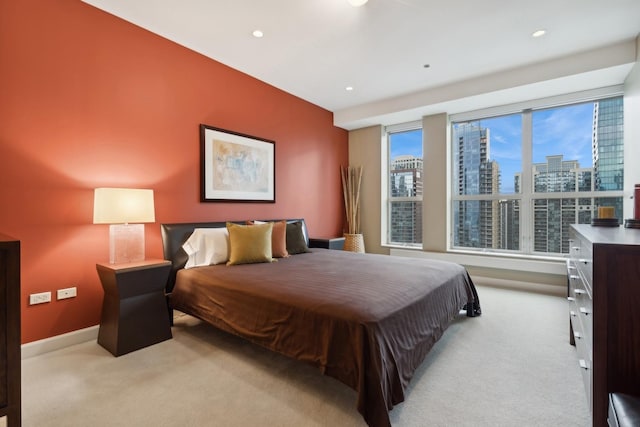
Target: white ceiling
column 480, row 52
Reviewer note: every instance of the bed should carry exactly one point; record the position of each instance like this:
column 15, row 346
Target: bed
column 367, row 320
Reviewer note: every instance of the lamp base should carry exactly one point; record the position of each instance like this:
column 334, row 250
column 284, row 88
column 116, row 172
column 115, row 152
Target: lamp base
column 126, row 243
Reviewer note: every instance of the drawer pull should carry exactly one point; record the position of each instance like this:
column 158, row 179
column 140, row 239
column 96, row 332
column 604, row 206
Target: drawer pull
column 579, row 291
column 575, row 248
column 583, row 364
column 577, row 335
column 584, row 311
column 572, row 313
column 571, row 267
column 571, row 299
column 574, row 277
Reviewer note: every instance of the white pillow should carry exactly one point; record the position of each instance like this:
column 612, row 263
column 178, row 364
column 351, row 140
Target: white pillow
column 207, row 246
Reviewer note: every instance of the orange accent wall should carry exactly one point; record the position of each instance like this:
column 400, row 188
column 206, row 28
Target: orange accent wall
column 88, row 100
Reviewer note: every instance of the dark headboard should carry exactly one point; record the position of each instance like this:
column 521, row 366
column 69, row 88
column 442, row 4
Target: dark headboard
column 174, row 236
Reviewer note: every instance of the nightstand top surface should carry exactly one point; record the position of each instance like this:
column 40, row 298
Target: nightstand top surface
column 138, row 265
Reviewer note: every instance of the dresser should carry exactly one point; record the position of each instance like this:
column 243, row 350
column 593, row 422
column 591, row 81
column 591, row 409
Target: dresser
column 9, row 331
column 604, row 311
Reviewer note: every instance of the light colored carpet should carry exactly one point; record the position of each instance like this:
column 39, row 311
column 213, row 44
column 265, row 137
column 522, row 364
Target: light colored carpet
column 511, row 366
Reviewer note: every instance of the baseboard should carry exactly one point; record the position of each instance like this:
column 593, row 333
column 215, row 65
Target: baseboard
column 46, row 345
column 520, row 286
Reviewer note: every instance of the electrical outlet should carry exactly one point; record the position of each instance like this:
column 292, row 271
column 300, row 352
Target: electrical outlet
column 67, row 293
column 40, row 298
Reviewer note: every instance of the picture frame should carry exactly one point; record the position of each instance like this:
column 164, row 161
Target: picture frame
column 236, row 167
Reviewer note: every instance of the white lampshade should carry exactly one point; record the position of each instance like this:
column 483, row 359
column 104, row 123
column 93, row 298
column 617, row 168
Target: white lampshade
column 123, row 206
column 125, row 209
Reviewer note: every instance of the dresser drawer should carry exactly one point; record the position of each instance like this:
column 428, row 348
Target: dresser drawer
column 585, row 268
column 585, row 314
column 574, row 281
column 581, row 253
column 580, row 313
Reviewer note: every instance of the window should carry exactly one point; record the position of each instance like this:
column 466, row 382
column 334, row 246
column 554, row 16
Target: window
column 480, row 221
column 520, row 180
column 405, row 185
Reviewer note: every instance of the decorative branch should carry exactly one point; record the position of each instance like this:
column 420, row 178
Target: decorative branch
column 351, row 182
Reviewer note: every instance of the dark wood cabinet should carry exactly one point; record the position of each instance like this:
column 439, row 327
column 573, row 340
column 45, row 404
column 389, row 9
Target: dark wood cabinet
column 10, row 406
column 604, row 311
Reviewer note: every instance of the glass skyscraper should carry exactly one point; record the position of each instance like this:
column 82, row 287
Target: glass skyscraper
column 608, row 150
column 476, row 222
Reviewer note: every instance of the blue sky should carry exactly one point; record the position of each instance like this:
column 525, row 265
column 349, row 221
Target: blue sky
column 407, row 143
column 562, row 130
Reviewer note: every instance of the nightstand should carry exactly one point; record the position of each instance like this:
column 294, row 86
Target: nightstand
column 330, row 243
column 134, row 309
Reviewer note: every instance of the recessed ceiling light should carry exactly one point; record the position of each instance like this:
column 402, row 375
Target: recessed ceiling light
column 538, row 33
column 357, row 3
column 257, row 34
column 426, row 66
column 348, row 88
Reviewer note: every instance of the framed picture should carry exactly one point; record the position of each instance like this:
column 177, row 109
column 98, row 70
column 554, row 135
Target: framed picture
column 236, row 167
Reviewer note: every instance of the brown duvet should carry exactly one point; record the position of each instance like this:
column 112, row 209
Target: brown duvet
column 366, row 320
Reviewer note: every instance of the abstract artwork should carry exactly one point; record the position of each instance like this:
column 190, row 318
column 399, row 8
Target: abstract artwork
column 236, row 167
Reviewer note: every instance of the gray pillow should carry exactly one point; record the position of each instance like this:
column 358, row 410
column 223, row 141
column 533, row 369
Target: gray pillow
column 296, row 244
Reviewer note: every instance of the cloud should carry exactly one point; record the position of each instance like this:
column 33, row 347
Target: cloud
column 499, row 139
column 564, row 130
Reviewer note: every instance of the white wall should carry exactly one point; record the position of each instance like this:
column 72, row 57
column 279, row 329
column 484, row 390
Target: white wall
column 434, row 210
column 365, row 149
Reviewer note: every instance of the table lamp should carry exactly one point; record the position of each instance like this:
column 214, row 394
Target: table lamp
column 125, row 210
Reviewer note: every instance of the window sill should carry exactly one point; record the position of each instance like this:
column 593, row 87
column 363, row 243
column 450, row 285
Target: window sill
column 534, row 264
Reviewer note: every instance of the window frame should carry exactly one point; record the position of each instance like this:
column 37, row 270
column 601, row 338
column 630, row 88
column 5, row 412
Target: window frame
column 386, row 177
column 527, row 195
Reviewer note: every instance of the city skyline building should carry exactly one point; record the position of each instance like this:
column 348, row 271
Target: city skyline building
column 476, row 222
column 406, row 216
column 552, row 217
